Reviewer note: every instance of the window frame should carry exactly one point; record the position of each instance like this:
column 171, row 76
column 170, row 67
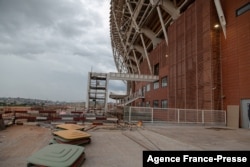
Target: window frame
column 148, row 87
column 156, row 84
column 166, row 83
column 156, row 69
column 154, row 102
column 166, row 105
column 243, row 9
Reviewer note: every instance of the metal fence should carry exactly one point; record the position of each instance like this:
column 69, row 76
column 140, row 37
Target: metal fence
column 174, row 115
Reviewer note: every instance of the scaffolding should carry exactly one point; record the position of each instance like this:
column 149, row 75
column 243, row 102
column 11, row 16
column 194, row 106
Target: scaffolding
column 97, row 92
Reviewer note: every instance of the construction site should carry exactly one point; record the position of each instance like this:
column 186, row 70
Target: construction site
column 118, row 145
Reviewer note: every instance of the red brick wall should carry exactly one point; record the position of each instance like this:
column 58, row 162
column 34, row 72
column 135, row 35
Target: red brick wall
column 235, row 52
column 202, row 66
column 191, row 52
column 188, row 65
column 158, row 55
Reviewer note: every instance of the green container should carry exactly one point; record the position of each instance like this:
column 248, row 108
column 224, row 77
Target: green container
column 58, row 155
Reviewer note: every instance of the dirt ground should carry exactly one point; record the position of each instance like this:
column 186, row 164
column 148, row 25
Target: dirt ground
column 112, row 146
column 18, row 142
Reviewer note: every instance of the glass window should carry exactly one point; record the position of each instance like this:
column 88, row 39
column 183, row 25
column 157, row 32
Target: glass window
column 243, row 9
column 156, row 85
column 143, row 90
column 164, row 82
column 156, row 69
column 147, row 104
column 140, row 91
column 148, row 87
column 156, row 103
column 164, row 104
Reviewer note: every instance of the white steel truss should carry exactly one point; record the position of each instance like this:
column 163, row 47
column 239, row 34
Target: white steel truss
column 133, row 34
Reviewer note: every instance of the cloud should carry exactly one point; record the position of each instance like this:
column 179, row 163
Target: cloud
column 117, row 87
column 47, row 47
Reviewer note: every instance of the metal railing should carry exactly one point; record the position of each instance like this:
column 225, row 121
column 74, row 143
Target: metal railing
column 174, row 115
column 130, row 98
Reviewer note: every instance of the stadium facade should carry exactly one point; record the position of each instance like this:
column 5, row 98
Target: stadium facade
column 200, row 49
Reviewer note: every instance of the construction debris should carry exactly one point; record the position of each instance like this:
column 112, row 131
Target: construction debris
column 75, row 137
column 58, row 155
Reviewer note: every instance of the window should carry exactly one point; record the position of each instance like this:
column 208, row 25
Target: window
column 143, row 90
column 156, row 69
column 140, row 91
column 156, row 85
column 148, row 87
column 147, row 104
column 243, row 9
column 164, row 104
column 164, row 82
column 155, row 103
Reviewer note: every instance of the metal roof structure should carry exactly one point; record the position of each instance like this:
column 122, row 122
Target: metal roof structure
column 137, row 26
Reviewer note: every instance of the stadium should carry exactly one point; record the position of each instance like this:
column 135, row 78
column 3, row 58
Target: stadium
column 199, row 50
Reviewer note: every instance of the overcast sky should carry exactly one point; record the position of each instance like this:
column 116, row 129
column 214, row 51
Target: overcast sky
column 47, row 48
